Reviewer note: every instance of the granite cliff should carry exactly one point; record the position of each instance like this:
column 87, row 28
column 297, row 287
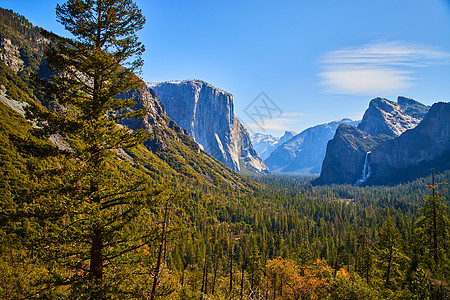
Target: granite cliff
column 206, row 113
column 171, row 154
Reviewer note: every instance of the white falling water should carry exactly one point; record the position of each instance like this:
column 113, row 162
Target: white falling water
column 366, row 170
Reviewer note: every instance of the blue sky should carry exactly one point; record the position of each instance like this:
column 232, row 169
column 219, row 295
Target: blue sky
column 317, row 61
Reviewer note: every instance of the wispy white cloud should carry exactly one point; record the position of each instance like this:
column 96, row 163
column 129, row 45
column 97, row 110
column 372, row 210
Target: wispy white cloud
column 377, row 68
column 294, row 114
column 281, row 123
column 362, row 80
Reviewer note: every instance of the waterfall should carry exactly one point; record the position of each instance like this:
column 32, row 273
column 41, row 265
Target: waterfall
column 365, row 171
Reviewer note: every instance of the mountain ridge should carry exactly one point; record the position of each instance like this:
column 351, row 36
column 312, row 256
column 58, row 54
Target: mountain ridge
column 392, row 118
column 418, row 150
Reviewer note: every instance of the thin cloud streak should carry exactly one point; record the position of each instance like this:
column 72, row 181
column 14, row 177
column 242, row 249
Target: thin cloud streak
column 363, row 80
column 294, row 114
column 272, row 124
column 377, row 68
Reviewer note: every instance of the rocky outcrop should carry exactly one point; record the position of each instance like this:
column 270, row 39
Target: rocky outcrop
column 21, row 44
column 265, row 144
column 10, row 54
column 304, row 153
column 345, row 155
column 206, row 113
column 148, row 100
column 412, row 107
column 392, row 119
column 416, row 151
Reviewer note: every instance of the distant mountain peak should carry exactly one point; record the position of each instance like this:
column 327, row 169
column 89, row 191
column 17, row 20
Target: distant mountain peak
column 403, row 101
column 304, row 153
column 265, row 144
column 412, row 107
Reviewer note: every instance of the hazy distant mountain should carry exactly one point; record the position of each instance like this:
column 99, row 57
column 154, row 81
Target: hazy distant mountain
column 206, row 113
column 265, row 144
column 305, row 152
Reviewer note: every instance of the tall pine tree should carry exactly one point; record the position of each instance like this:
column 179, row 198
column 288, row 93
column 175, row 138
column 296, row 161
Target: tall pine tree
column 390, row 257
column 92, row 214
column 433, row 229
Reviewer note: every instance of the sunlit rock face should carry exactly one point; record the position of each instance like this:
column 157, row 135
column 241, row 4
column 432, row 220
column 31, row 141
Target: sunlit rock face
column 389, row 118
column 206, row 113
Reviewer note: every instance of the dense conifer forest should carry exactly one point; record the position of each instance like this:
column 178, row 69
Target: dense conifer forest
column 82, row 222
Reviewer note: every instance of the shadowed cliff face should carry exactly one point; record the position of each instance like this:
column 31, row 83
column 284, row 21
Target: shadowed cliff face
column 345, row 156
column 206, row 113
column 416, row 151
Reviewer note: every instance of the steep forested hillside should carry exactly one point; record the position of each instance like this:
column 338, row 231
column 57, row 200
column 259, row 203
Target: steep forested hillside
column 176, row 147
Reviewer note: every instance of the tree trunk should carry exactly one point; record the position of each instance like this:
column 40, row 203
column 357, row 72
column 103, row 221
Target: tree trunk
column 336, row 264
column 388, row 272
column 161, row 247
column 275, row 287
column 242, row 275
column 231, row 271
column 266, row 288
column 435, row 247
column 215, row 275
column 96, row 263
column 204, row 279
column 281, row 287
